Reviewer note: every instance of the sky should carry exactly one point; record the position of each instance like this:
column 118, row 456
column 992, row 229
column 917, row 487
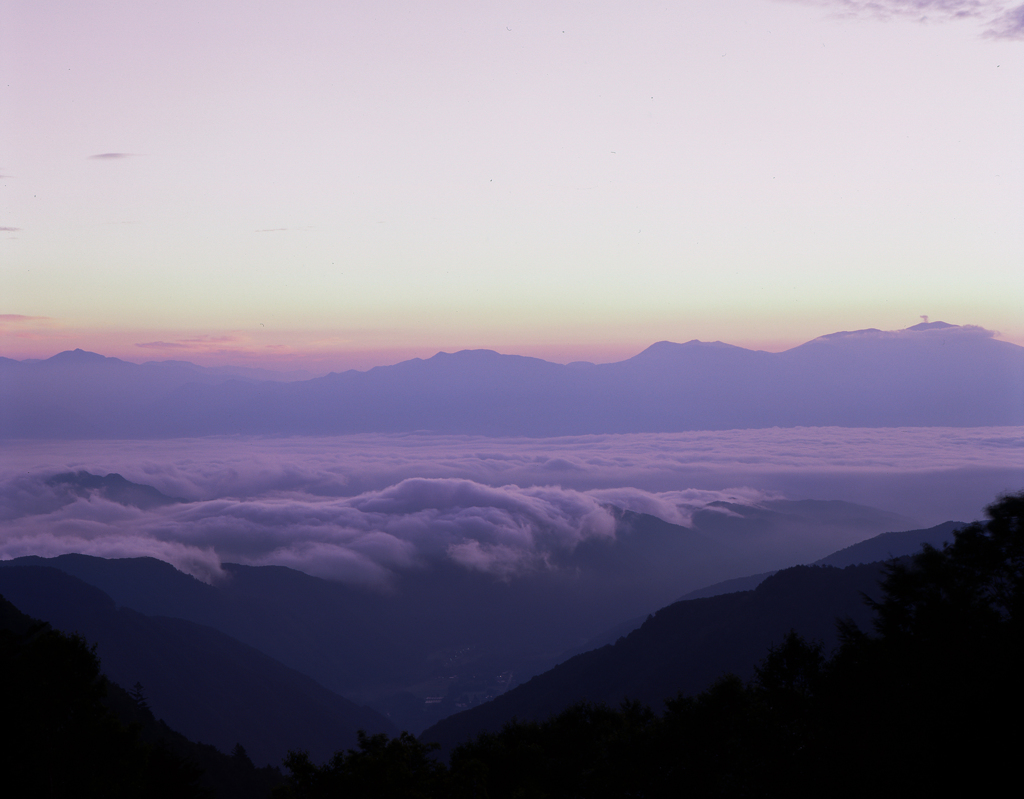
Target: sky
column 328, row 185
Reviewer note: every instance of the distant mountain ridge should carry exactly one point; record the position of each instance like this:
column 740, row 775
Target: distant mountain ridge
column 683, row 647
column 222, row 691
column 447, row 632
column 932, row 374
column 872, row 550
column 688, row 644
column 113, row 487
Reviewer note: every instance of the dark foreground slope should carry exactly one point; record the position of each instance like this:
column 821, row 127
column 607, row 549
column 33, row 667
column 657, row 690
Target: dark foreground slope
column 446, row 636
column 686, row 645
column 683, row 647
column 72, row 732
column 203, row 683
column 925, row 706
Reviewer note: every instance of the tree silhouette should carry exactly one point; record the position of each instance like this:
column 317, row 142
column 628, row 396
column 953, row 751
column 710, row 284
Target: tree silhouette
column 941, row 676
column 379, row 768
column 925, row 704
column 138, row 695
column 63, row 740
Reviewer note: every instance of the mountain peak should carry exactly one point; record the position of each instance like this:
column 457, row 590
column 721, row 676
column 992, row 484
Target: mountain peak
column 471, row 355
column 662, row 349
column 113, row 487
column 867, row 331
column 931, row 326
column 875, row 333
column 80, row 356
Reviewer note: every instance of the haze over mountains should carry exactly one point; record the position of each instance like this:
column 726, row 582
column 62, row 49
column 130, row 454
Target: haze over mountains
column 461, row 590
column 683, row 647
column 372, row 508
column 931, row 374
column 443, row 642
column 385, row 549
column 511, row 599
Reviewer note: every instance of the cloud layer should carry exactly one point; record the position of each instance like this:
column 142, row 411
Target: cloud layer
column 363, row 509
column 366, row 539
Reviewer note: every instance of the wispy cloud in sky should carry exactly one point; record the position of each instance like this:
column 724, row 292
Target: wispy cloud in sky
column 197, row 343
column 999, row 20
column 1008, row 25
column 17, row 318
column 162, row 345
column 111, row 156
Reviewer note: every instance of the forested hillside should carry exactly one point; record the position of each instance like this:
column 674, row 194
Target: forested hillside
column 915, row 700
column 924, row 705
column 72, row 732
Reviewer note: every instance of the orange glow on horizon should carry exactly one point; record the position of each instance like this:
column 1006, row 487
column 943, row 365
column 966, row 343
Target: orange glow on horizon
column 24, row 337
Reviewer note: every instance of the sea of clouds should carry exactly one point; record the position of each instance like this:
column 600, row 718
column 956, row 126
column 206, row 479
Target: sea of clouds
column 364, row 508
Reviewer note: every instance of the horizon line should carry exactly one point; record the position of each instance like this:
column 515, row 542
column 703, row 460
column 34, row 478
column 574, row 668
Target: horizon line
column 297, row 358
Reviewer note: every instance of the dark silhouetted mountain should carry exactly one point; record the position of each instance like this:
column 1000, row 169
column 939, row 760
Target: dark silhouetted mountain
column 879, row 548
column 748, row 583
column 114, row 488
column 918, row 708
column 893, row 545
column 202, row 682
column 683, row 647
column 934, row 374
column 45, row 762
column 454, row 635
column 64, row 734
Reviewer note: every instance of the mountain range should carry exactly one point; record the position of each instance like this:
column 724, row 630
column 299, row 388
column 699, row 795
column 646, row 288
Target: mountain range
column 931, row 374
column 441, row 625
column 275, row 658
column 683, row 647
column 217, row 689
column 724, row 628
column 237, row 662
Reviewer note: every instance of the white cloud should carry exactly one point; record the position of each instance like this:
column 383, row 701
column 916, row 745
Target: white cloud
column 366, row 508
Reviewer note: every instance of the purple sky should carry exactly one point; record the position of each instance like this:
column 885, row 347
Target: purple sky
column 328, row 185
